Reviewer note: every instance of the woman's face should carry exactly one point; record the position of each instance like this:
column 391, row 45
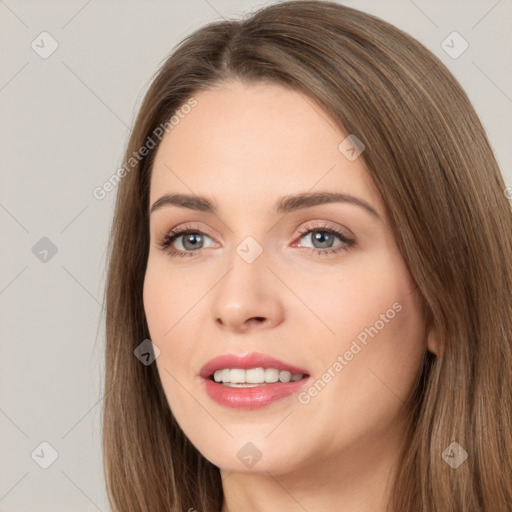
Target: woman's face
column 268, row 275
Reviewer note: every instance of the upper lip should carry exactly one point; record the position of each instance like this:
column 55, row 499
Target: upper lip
column 246, row 361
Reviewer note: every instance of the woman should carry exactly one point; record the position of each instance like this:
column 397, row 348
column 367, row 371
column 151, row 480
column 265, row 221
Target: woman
column 308, row 299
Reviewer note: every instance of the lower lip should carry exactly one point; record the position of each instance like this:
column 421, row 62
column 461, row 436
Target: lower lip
column 254, row 397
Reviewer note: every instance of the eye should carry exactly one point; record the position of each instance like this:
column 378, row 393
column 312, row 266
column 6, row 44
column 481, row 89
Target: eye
column 322, row 236
column 192, row 240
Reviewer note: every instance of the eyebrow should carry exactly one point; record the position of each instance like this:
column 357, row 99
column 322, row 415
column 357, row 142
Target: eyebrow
column 285, row 204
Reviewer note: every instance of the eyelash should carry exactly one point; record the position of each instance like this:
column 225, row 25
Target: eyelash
column 172, row 235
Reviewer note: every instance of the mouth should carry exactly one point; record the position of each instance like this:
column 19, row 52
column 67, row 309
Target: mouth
column 251, row 381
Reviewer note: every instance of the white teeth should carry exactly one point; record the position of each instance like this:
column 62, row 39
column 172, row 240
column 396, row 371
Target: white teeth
column 271, row 375
column 254, row 376
column 238, row 377
column 285, row 376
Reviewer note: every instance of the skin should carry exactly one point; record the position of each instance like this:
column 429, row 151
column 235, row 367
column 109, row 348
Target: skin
column 245, row 146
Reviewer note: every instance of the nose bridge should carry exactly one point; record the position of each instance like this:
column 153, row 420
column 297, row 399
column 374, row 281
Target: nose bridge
column 250, row 250
column 246, row 277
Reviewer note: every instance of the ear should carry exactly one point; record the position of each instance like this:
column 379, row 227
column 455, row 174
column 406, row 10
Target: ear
column 434, row 342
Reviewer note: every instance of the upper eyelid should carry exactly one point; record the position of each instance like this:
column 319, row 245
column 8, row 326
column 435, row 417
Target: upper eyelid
column 317, row 225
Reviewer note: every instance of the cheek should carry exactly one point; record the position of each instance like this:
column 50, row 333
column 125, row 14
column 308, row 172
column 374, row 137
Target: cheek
column 377, row 338
column 158, row 304
column 367, row 301
column 392, row 345
column 168, row 304
column 168, row 298
column 381, row 355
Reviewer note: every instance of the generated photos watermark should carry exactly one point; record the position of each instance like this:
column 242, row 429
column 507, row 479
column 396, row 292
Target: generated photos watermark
column 343, row 360
column 100, row 192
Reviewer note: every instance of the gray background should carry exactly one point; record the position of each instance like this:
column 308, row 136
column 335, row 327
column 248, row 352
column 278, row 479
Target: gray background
column 64, row 125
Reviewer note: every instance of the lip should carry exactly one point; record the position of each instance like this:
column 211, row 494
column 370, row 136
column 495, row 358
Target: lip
column 253, row 397
column 246, row 361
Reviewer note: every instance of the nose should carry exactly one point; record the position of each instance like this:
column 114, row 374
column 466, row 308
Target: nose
column 248, row 297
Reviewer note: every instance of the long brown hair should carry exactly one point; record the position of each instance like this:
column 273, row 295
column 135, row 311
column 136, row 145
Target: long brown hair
column 429, row 156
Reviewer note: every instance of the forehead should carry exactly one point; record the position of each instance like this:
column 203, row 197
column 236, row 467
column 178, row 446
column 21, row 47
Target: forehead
column 246, row 143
